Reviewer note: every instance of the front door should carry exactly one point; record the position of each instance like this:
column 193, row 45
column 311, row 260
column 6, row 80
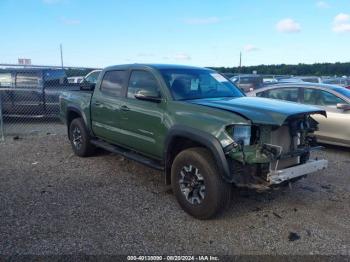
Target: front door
column 143, row 120
column 334, row 127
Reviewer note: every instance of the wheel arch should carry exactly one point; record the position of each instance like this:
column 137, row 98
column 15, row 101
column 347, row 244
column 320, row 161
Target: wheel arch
column 74, row 112
column 180, row 138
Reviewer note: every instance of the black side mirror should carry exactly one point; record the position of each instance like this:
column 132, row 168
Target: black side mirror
column 84, row 85
column 344, row 107
column 148, row 95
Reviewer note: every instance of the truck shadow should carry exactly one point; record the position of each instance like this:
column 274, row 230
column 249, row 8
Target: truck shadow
column 335, row 149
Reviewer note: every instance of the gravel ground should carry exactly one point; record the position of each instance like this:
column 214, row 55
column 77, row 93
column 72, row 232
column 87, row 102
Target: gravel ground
column 52, row 202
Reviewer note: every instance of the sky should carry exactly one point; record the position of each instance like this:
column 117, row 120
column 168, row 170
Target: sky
column 99, row 33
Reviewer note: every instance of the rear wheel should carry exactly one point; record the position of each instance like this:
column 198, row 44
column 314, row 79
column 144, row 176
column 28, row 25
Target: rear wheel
column 197, row 184
column 80, row 138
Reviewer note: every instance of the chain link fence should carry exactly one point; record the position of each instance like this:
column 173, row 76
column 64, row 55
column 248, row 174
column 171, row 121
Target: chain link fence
column 29, row 100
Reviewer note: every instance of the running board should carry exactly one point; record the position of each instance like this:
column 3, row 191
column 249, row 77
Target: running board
column 128, row 154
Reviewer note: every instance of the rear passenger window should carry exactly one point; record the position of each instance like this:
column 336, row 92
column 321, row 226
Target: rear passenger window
column 27, row 80
column 113, row 82
column 288, row 94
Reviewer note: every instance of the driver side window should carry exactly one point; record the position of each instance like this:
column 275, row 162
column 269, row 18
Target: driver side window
column 141, row 80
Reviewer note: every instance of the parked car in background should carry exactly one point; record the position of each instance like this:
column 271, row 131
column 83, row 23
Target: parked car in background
column 248, row 82
column 309, row 79
column 335, row 100
column 197, row 127
column 75, row 79
column 340, row 81
column 92, row 76
column 269, row 79
column 32, row 92
column 295, row 79
column 228, row 75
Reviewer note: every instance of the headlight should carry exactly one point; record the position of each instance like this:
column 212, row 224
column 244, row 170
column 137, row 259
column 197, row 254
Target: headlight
column 242, row 133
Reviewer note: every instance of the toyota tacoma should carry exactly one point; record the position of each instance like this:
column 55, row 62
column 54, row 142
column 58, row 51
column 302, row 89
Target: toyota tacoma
column 195, row 126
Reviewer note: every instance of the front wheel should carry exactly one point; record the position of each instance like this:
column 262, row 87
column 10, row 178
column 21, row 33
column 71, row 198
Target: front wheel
column 197, row 184
column 80, row 138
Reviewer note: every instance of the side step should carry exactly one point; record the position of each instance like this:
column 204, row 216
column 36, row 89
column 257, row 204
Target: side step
column 128, row 154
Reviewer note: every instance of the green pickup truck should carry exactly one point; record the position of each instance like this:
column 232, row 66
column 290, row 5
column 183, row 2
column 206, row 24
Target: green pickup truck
column 195, row 126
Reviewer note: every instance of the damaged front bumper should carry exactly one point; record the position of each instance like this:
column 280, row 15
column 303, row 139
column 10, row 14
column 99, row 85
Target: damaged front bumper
column 279, row 176
column 261, row 167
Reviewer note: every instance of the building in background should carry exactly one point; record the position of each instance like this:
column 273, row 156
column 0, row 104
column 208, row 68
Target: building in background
column 24, row 61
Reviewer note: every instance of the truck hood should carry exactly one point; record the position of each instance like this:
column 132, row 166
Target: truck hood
column 260, row 110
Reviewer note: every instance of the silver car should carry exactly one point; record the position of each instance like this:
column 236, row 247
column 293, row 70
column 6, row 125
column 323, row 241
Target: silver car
column 335, row 129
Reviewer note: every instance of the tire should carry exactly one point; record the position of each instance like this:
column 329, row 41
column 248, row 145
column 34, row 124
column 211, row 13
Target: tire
column 80, row 138
column 304, row 158
column 197, row 165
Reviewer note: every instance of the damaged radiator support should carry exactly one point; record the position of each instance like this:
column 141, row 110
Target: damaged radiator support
column 288, row 148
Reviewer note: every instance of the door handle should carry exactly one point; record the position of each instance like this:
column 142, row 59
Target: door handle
column 96, row 103
column 124, row 108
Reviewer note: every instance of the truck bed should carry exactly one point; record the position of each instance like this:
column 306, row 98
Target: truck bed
column 77, row 99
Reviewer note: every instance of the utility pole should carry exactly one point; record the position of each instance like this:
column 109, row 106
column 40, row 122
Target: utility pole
column 240, row 61
column 61, row 55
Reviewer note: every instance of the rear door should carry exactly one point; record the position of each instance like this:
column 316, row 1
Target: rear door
column 334, row 128
column 28, row 96
column 106, row 106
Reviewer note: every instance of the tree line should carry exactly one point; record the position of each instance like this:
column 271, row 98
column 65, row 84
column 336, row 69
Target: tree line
column 318, row 69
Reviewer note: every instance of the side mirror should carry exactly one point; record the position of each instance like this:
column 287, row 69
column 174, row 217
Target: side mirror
column 344, row 107
column 148, row 95
column 84, row 85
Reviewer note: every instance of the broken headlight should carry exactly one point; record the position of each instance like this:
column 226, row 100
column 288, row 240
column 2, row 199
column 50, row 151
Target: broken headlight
column 242, row 134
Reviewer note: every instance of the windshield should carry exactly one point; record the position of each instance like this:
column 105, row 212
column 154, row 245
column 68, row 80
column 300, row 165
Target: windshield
column 188, row 84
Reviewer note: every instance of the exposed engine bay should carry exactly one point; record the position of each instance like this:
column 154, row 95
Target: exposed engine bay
column 272, row 149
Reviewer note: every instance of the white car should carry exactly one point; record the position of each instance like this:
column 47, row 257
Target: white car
column 335, row 100
column 75, row 79
column 92, row 76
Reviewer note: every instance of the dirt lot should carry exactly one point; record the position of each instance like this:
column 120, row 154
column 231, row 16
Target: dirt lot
column 52, row 202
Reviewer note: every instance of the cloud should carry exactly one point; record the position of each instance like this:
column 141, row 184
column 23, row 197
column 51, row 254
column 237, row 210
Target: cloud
column 342, row 18
column 250, row 48
column 341, row 23
column 182, row 56
column 288, row 25
column 322, row 4
column 202, row 21
column 67, row 21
